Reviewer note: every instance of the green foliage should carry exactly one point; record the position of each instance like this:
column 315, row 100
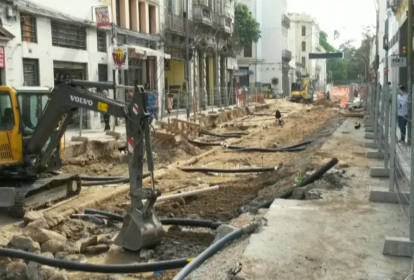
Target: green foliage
column 246, row 28
column 275, row 81
column 323, row 41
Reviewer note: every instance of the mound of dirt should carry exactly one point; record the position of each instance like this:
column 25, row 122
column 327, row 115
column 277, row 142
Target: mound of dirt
column 323, row 102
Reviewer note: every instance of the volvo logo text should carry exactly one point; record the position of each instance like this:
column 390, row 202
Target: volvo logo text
column 80, row 100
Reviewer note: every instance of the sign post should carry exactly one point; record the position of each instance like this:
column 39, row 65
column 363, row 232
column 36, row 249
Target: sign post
column 398, row 62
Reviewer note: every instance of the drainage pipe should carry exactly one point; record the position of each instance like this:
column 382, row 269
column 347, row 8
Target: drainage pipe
column 309, row 180
column 98, row 178
column 95, row 268
column 216, row 170
column 214, row 248
column 190, row 193
column 224, row 135
column 173, row 221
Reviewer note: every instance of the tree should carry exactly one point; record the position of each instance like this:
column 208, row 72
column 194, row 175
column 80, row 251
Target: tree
column 246, row 28
column 323, row 41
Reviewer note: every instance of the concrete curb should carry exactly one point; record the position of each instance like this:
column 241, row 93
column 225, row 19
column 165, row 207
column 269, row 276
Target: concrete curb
column 379, row 172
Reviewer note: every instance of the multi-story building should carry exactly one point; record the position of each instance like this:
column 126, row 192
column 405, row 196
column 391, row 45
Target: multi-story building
column 269, row 57
column 209, row 25
column 43, row 42
column 304, row 39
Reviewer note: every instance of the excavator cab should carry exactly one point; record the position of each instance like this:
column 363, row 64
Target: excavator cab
column 20, row 111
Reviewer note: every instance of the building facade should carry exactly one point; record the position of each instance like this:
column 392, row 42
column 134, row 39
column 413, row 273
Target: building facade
column 268, row 58
column 209, row 25
column 304, row 39
column 44, row 43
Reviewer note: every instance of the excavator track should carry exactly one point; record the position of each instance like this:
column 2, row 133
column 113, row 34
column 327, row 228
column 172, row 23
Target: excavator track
column 44, row 192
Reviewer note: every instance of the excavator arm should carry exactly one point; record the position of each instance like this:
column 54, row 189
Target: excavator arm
column 141, row 228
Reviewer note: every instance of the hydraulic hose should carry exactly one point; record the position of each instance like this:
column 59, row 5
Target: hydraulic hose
column 106, row 181
column 95, row 268
column 309, row 180
column 214, row 248
column 167, row 222
column 203, row 143
column 216, row 170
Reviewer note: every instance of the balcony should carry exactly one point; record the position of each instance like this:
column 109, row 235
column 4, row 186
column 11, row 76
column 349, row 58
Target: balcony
column 286, row 55
column 285, row 21
column 205, row 15
column 225, row 24
column 179, row 25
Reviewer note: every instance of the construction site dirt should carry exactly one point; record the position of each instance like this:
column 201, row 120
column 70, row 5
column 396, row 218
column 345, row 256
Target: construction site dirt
column 237, row 193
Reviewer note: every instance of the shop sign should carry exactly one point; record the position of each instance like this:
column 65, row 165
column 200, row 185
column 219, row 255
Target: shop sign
column 120, row 57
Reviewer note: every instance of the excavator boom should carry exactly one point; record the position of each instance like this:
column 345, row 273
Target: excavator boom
column 31, row 185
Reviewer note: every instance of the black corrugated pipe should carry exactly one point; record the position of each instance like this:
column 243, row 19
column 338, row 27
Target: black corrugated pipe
column 104, row 181
column 267, row 150
column 289, row 148
column 309, row 180
column 95, row 268
column 203, row 143
column 214, row 248
column 98, row 178
column 225, row 135
column 216, row 170
column 166, row 222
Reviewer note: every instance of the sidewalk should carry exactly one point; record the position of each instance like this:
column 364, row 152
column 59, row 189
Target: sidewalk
column 338, row 237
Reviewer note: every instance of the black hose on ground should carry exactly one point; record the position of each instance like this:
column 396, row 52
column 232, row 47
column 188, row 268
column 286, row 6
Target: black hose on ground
column 216, row 170
column 309, row 180
column 267, row 150
column 214, row 248
column 98, row 178
column 95, row 268
column 224, row 135
column 203, row 143
column 294, row 148
column 104, row 181
column 166, row 222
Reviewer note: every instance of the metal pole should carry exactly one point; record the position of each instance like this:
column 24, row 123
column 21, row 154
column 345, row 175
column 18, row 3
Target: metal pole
column 393, row 129
column 386, row 124
column 376, row 88
column 80, row 122
column 410, row 126
column 187, row 60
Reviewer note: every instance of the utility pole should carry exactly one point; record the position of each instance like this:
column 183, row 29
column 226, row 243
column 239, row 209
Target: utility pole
column 409, row 66
column 187, row 58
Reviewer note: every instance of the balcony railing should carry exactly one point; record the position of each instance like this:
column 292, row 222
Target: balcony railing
column 226, row 24
column 178, row 24
column 205, row 15
column 286, row 21
column 286, row 55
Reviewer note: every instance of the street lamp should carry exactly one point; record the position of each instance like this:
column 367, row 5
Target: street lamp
column 300, row 52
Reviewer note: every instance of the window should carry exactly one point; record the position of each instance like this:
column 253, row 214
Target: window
column 32, row 108
column 304, row 46
column 248, row 52
column 303, row 30
column 6, row 112
column 101, row 41
column 28, row 28
column 303, row 62
column 68, row 36
column 30, row 72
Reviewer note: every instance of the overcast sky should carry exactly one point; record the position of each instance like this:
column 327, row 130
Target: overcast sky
column 346, row 16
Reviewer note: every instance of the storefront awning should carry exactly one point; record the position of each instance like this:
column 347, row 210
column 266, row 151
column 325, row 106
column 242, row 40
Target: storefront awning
column 142, row 51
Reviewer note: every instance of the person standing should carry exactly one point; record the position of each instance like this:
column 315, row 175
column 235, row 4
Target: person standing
column 106, row 116
column 402, row 111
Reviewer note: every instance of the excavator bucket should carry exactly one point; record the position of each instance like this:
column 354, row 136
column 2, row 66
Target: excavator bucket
column 139, row 232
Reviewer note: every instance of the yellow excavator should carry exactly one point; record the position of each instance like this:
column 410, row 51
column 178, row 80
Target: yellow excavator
column 32, row 123
column 300, row 92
